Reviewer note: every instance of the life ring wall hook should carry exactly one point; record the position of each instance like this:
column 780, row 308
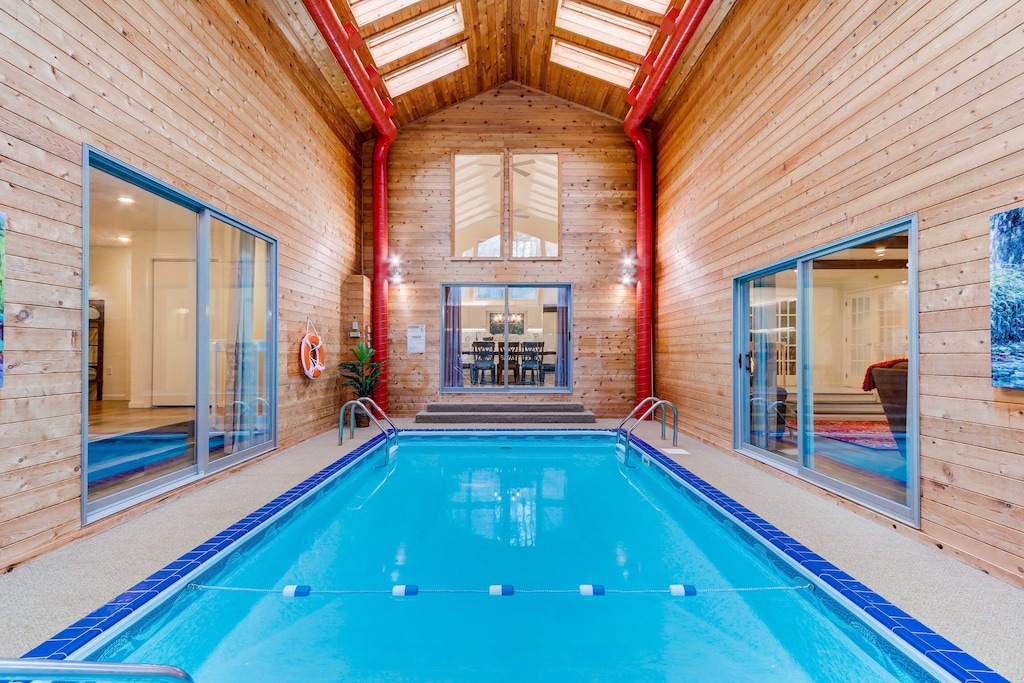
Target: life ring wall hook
column 311, row 353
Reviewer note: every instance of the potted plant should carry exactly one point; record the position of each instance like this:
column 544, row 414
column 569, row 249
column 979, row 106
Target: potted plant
column 363, row 375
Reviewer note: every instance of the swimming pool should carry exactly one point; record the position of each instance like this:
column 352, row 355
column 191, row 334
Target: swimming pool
column 541, row 514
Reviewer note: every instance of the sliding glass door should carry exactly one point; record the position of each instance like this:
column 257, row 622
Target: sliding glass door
column 240, row 280
column 506, row 337
column 141, row 412
column 770, row 363
column 826, row 367
column 180, row 315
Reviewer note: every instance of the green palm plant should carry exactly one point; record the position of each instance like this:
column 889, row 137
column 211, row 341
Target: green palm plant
column 363, row 373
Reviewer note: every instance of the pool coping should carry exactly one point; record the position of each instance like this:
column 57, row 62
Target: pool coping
column 935, row 648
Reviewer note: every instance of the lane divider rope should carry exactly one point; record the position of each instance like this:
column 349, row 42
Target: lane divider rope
column 498, row 590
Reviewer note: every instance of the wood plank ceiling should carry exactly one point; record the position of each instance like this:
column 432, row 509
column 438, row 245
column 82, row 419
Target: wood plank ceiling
column 506, row 40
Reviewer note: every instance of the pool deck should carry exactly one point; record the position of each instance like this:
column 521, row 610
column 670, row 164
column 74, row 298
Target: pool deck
column 981, row 614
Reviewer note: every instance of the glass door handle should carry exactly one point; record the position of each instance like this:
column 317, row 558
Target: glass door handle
column 739, row 362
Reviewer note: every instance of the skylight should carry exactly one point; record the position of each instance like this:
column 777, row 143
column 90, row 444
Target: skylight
column 416, row 34
column 369, row 11
column 592, row 63
column 427, row 69
column 656, row 6
column 604, row 26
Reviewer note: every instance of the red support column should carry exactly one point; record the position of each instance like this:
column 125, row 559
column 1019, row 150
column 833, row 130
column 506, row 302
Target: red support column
column 379, row 301
column 680, row 26
column 343, row 41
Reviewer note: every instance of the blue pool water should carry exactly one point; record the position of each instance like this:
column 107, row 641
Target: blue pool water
column 544, row 514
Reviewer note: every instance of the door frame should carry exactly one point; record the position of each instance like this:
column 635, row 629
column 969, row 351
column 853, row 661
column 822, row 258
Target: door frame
column 802, row 467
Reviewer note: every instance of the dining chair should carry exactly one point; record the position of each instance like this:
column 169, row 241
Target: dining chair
column 512, row 365
column 531, row 360
column 483, row 360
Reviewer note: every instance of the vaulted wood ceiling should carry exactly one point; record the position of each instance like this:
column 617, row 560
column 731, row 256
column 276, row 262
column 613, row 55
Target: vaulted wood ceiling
column 507, row 40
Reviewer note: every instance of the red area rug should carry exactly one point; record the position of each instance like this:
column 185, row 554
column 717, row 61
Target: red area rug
column 866, row 433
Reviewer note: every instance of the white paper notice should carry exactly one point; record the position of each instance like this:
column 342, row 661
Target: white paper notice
column 416, row 338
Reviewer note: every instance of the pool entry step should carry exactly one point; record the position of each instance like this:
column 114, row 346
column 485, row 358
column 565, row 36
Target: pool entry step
column 505, row 413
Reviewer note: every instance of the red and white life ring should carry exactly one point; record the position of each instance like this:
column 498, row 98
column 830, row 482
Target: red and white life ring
column 311, row 353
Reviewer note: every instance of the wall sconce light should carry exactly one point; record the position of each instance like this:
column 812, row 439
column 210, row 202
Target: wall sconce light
column 629, row 270
column 394, row 270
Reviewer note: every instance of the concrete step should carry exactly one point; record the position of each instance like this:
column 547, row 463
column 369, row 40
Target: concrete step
column 452, row 412
column 474, row 407
column 492, row 417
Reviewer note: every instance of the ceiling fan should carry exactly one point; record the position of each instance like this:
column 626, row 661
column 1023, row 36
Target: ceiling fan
column 516, row 213
column 515, row 167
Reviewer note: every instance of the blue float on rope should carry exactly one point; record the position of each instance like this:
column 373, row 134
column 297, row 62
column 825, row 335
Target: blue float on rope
column 502, row 589
column 681, row 590
column 295, row 591
column 591, row 589
column 401, row 590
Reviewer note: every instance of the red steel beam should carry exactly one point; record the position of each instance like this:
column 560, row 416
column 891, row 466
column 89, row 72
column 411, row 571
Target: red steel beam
column 680, row 25
column 343, row 41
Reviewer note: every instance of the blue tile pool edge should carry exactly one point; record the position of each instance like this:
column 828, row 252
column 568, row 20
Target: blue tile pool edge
column 159, row 584
column 872, row 606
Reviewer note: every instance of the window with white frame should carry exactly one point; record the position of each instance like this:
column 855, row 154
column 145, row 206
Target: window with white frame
column 506, row 205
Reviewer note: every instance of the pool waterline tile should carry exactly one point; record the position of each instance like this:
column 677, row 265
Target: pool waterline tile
column 961, row 665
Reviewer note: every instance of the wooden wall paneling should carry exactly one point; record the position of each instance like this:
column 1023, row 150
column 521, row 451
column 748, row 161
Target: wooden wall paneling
column 776, row 131
column 17, row 457
column 748, row 81
column 298, row 28
column 24, row 535
column 203, row 97
column 879, row 146
column 598, row 228
column 842, row 118
column 717, row 13
column 967, row 537
column 820, row 54
column 355, row 307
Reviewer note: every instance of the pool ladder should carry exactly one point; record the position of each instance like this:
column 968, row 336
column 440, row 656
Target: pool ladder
column 652, row 403
column 64, row 670
column 367, row 405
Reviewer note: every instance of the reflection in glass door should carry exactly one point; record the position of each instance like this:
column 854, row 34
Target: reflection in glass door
column 860, row 356
column 770, row 363
column 506, row 337
column 142, row 259
column 239, row 297
column 180, row 307
column 826, row 366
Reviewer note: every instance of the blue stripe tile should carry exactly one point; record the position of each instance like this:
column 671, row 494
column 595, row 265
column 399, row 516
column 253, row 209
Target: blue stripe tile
column 875, row 607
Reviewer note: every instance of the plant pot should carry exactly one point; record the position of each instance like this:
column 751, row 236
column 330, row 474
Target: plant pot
column 362, row 419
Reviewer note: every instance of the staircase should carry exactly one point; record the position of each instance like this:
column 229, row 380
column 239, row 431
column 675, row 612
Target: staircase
column 504, row 413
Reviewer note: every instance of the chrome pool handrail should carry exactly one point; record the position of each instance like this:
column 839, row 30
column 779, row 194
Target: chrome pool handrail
column 641, row 404
column 64, row 670
column 657, row 403
column 354, row 404
column 635, row 410
column 373, row 404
